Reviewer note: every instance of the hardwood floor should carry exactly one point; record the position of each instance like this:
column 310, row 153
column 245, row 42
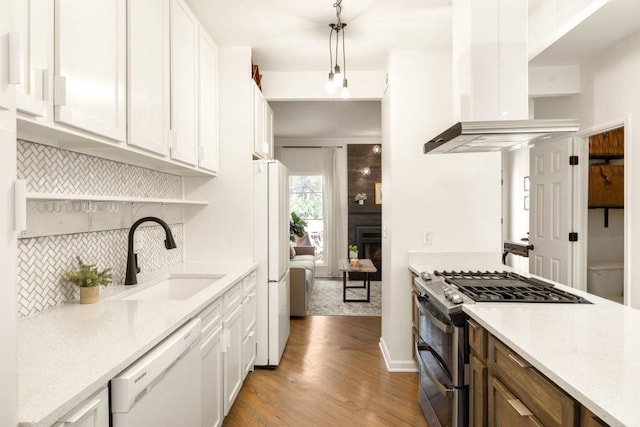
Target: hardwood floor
column 331, row 374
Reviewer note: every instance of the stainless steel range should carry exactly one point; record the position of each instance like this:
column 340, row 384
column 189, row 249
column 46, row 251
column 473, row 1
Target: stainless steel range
column 442, row 347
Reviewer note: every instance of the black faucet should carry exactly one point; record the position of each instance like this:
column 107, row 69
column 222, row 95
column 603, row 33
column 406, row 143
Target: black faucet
column 132, row 259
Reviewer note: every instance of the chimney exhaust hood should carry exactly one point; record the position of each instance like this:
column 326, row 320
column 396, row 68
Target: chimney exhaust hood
column 491, row 80
column 499, row 135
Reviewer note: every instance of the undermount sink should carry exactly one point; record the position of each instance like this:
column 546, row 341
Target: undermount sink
column 172, row 289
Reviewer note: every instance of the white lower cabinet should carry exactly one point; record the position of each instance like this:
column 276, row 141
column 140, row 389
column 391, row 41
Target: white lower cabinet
column 232, row 357
column 248, row 332
column 92, row 412
column 212, row 385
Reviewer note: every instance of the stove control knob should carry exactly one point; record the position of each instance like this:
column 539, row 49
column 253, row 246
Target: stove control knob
column 446, row 292
column 456, row 298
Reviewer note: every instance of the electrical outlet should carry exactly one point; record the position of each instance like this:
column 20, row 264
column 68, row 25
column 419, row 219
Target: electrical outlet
column 427, row 238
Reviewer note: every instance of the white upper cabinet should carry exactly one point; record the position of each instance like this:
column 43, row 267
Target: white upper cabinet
column 9, row 58
column 208, row 94
column 268, row 130
column 148, row 75
column 90, row 69
column 34, row 19
column 184, row 82
column 262, row 125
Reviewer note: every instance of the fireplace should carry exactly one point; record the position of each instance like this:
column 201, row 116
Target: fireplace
column 369, row 242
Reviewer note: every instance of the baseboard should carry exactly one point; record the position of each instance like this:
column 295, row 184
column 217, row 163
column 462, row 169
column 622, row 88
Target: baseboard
column 396, row 365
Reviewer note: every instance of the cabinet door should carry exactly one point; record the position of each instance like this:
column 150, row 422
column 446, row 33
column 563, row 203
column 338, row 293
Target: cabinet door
column 90, row 57
column 8, row 58
column 212, row 397
column 268, row 130
column 505, row 410
column 93, row 412
column 478, row 393
column 258, row 122
column 249, row 313
column 34, row 19
column 184, row 75
column 248, row 352
column 232, row 358
column 148, row 74
column 208, row 94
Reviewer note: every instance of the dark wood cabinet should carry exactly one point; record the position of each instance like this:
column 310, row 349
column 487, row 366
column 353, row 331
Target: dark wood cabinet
column 478, row 393
column 587, row 419
column 505, row 410
column 505, row 390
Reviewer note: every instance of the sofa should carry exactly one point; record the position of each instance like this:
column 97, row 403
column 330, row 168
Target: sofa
column 302, row 273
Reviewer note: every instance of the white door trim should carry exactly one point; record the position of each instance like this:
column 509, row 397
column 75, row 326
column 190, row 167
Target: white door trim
column 581, row 197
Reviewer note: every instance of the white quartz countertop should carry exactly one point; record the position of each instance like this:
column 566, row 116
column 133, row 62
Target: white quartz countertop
column 591, row 351
column 69, row 352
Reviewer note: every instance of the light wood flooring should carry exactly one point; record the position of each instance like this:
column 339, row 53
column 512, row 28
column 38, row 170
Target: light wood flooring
column 331, row 374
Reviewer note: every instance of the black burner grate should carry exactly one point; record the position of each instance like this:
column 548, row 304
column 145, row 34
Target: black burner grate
column 505, row 287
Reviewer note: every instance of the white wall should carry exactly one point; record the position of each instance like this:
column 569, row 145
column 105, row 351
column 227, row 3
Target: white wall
column 310, row 85
column 456, row 197
column 610, row 84
column 8, row 242
column 518, row 168
column 222, row 230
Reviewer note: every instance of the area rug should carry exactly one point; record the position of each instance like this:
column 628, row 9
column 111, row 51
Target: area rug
column 326, row 299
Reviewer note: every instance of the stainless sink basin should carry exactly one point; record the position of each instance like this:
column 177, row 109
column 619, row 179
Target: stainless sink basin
column 172, row 289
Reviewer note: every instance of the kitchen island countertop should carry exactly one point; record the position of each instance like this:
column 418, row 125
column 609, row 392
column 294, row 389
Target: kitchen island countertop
column 589, row 350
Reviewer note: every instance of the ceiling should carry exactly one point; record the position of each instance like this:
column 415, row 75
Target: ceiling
column 293, row 35
column 613, row 22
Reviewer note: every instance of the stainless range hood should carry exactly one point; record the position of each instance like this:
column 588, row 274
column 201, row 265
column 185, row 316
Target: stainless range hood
column 499, row 135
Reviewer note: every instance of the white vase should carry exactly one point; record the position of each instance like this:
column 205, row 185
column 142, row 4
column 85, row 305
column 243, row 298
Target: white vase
column 361, row 202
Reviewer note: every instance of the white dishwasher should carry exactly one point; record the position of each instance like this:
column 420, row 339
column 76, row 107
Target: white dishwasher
column 163, row 387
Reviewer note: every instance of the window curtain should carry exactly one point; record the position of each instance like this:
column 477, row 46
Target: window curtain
column 335, row 160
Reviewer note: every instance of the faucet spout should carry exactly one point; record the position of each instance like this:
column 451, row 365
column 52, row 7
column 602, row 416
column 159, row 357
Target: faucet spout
column 132, row 264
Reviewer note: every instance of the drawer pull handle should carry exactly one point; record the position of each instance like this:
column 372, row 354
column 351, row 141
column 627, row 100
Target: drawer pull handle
column 519, row 362
column 522, row 410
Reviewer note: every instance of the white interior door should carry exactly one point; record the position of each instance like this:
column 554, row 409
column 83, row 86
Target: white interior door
column 551, row 210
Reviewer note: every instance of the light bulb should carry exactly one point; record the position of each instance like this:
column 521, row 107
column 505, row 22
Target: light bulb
column 338, row 75
column 345, row 89
column 331, row 83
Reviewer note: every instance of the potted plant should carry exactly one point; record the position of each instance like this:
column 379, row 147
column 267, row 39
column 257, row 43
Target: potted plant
column 296, row 226
column 361, row 197
column 353, row 254
column 88, row 279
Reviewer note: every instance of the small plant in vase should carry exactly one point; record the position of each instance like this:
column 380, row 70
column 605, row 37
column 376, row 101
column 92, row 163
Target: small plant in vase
column 88, row 278
column 353, row 254
column 360, row 198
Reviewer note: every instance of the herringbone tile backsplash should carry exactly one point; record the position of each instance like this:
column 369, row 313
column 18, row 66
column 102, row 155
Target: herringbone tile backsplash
column 42, row 260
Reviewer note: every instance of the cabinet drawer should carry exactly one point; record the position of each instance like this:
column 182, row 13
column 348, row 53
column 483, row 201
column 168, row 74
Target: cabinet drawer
column 477, row 339
column 232, row 298
column 505, row 410
column 549, row 403
column 210, row 316
column 477, row 393
column 588, row 419
column 248, row 284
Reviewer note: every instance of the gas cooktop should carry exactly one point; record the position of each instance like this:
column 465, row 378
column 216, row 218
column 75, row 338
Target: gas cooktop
column 505, row 287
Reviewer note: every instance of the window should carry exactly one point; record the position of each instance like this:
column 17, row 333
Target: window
column 306, row 193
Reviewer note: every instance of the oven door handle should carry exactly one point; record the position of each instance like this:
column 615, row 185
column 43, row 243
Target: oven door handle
column 442, row 389
column 447, row 329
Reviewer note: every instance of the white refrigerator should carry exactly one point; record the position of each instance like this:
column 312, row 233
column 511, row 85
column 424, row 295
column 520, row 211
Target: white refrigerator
column 271, row 252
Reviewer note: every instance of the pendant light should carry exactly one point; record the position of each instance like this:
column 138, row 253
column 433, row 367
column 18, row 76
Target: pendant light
column 337, row 77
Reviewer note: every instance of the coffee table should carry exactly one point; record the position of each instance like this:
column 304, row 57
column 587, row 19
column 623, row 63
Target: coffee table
column 364, row 266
